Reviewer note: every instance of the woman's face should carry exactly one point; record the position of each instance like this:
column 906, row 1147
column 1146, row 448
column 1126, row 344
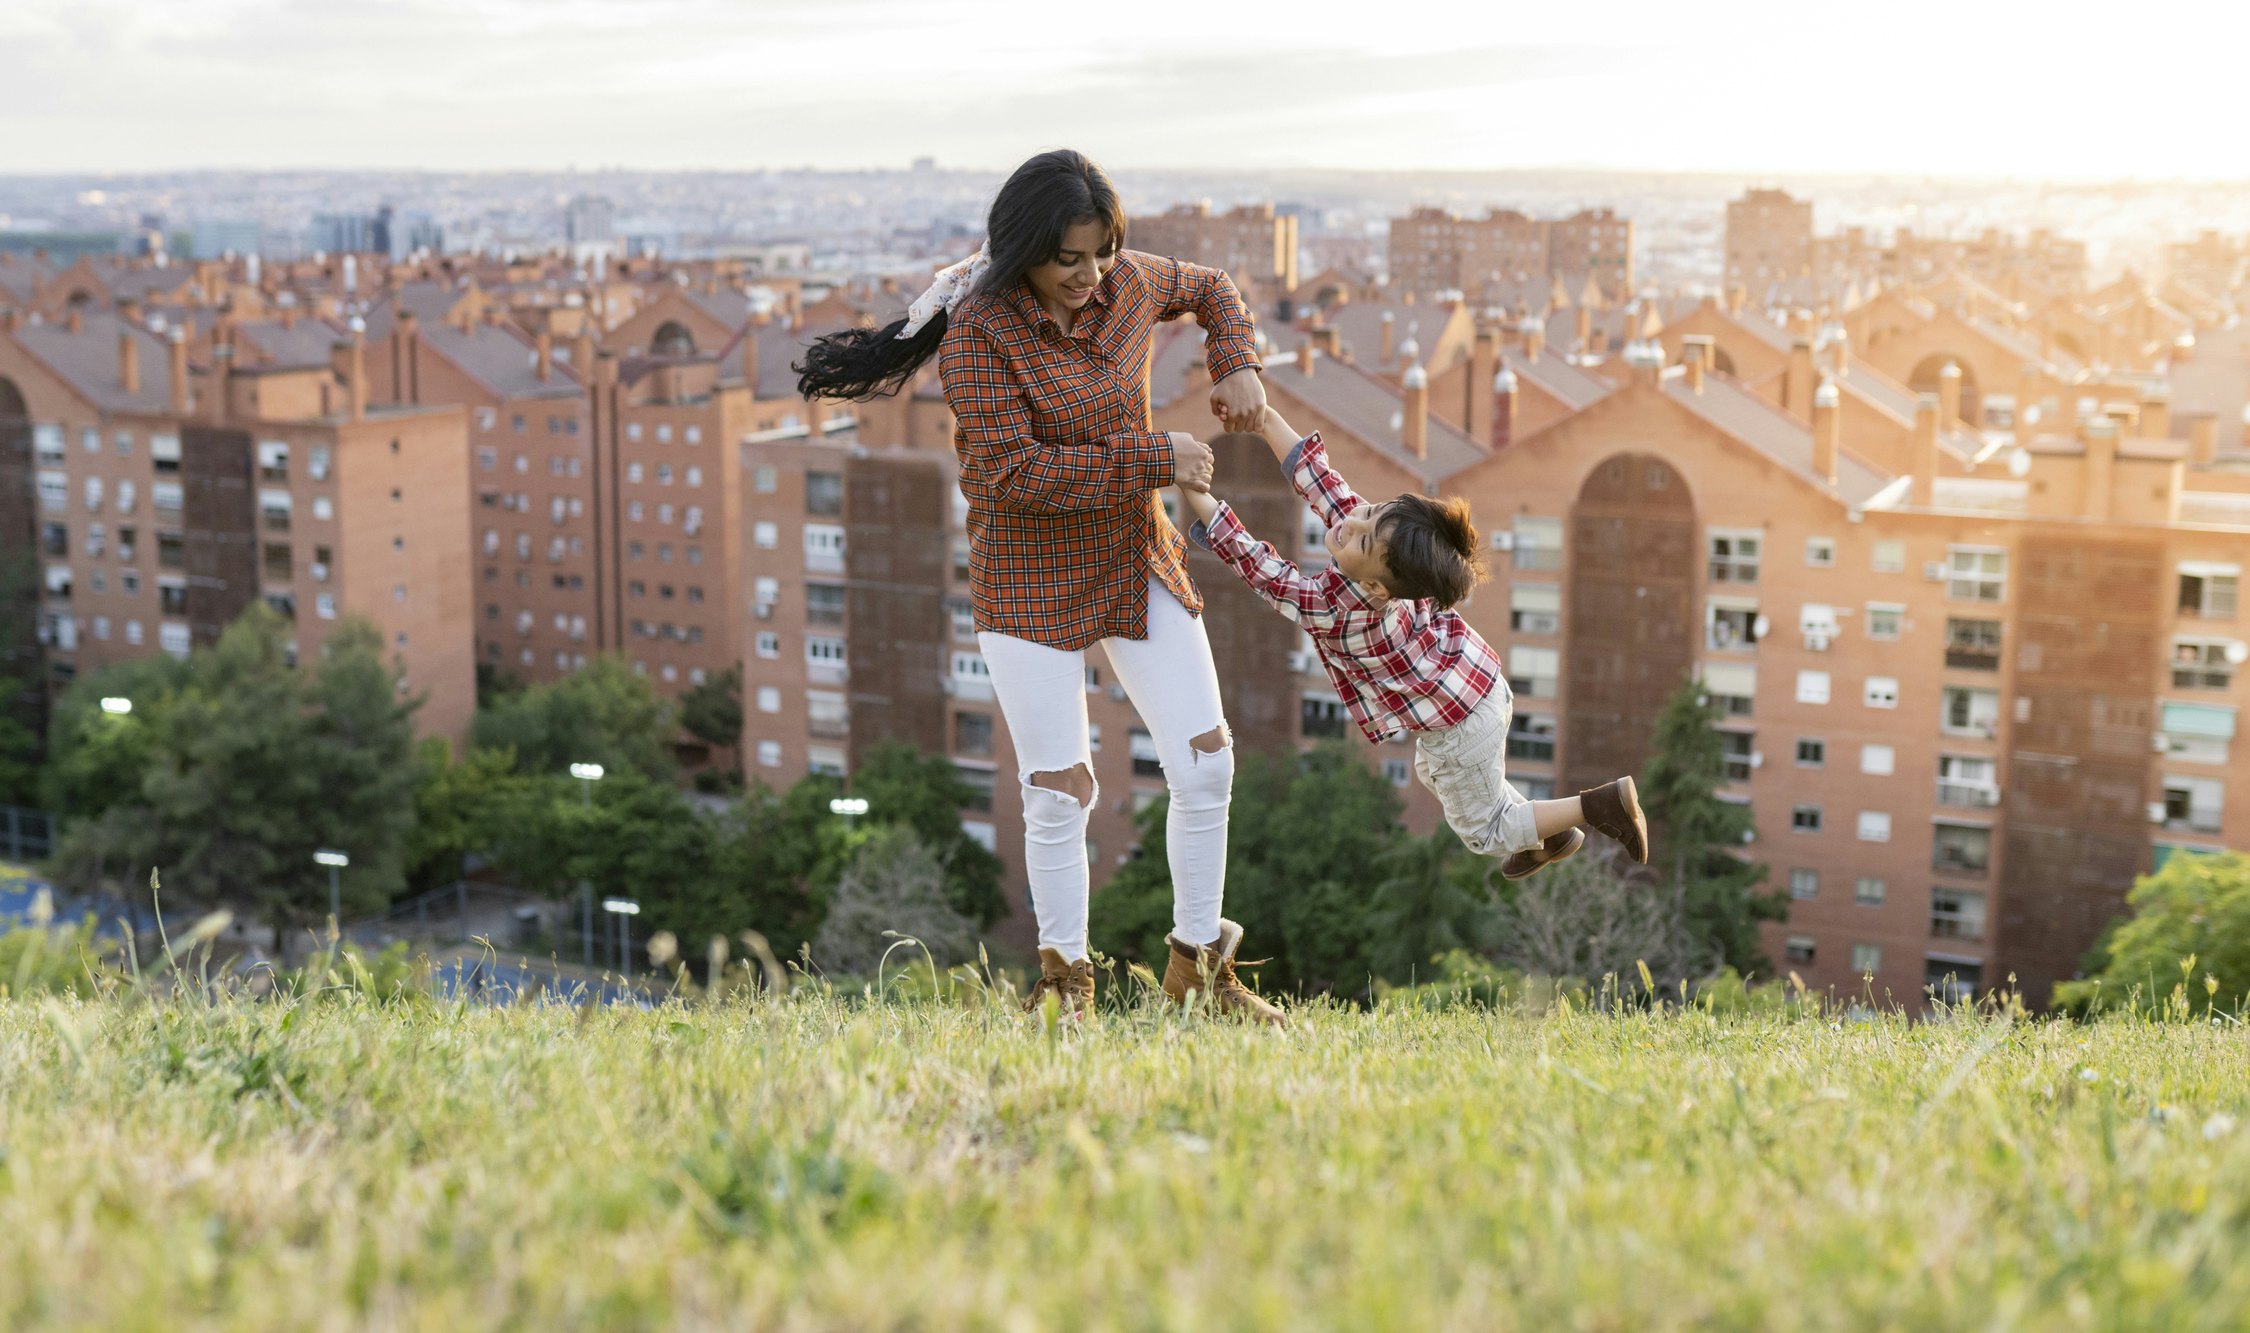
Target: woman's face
column 1067, row 280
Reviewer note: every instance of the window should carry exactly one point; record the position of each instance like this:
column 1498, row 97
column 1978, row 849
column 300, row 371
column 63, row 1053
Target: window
column 769, row 754
column 1532, row 672
column 125, row 496
column 824, row 494
column 1820, row 552
column 1535, row 608
column 1143, row 747
column 763, row 479
column 823, row 650
column 1874, row 826
column 2208, row 590
column 824, row 603
column 634, row 473
column 124, row 444
column 2201, row 664
column 1961, row 849
column 1970, row 712
column 1972, row 645
column 765, row 536
column 1952, row 980
column 769, row 699
column 1531, row 737
column 54, row 491
column 824, row 547
column 132, row 631
column 1811, row 753
column 828, row 714
column 1805, row 818
column 1967, row 780
column 1732, row 687
column 515, row 423
column 324, row 508
column 93, row 495
column 664, row 432
column 54, row 539
column 174, row 639
column 972, row 733
column 280, row 564
column 129, row 581
column 1321, row 715
column 1804, row 885
column 1817, row 622
column 1869, row 891
column 1888, row 557
column 1730, row 623
column 273, row 461
column 961, row 554
column 1885, row 620
column 1867, row 959
column 1976, row 573
column 1812, row 687
column 1734, row 555
column 692, row 434
column 979, row 782
column 963, row 614
column 1799, row 949
column 171, row 550
column 2199, row 733
column 1882, row 692
column 166, row 496
column 2193, row 804
column 1734, row 746
column 695, row 476
column 1880, row 760
column 1538, row 543
column 1956, row 914
column 94, row 539
column 971, row 674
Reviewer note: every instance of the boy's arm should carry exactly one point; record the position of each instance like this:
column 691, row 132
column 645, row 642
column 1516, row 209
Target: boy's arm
column 1309, row 601
column 1305, row 461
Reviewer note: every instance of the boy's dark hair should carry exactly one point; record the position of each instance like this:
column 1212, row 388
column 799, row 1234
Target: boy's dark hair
column 1430, row 546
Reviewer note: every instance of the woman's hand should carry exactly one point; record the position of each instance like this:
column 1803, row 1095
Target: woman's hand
column 1239, row 400
column 1192, row 462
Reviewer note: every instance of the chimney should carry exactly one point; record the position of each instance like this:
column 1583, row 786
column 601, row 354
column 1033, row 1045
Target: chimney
column 129, row 310
column 2101, row 465
column 175, row 356
column 222, row 374
column 749, row 356
column 1737, row 297
column 406, row 348
column 1695, row 355
column 1331, row 343
column 1414, row 427
column 128, row 358
column 1797, row 380
column 2203, row 437
column 543, row 355
column 288, row 316
column 1925, row 448
column 1390, row 345
column 73, row 321
column 348, row 359
column 1534, row 337
column 1585, row 328
column 1484, row 359
column 2156, row 415
column 1949, row 391
column 1304, row 358
column 1503, row 408
column 1827, row 431
column 1840, row 354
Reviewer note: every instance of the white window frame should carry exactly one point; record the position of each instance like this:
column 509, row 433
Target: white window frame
column 1880, row 692
column 1968, row 577
column 1813, row 687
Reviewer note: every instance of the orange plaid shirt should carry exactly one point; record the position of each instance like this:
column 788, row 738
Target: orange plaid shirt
column 1058, row 462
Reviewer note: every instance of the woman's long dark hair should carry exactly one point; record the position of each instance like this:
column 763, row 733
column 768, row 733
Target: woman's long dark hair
column 1046, row 197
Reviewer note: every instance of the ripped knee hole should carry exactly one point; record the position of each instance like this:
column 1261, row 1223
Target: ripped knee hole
column 1212, row 741
column 1077, row 783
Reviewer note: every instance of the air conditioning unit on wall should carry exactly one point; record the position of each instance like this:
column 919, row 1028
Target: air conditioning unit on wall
column 1934, row 570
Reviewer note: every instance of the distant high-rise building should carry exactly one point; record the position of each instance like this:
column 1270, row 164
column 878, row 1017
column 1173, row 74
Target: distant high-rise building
column 1505, row 252
column 212, row 238
column 1769, row 240
column 1255, row 244
column 588, row 219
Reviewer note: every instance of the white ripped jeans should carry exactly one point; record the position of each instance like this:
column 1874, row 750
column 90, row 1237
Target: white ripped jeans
column 1172, row 681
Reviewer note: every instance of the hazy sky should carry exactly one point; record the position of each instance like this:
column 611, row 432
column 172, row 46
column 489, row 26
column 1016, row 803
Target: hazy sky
column 2150, row 89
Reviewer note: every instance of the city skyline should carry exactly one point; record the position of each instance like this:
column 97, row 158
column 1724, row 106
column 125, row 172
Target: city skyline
column 1752, row 87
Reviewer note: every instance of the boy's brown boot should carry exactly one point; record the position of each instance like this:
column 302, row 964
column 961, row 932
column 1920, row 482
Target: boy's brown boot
column 1210, row 969
column 1614, row 809
column 1072, row 983
column 1561, row 847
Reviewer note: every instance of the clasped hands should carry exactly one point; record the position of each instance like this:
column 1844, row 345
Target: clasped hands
column 1239, row 401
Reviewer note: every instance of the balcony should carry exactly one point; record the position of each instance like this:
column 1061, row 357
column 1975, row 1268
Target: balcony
column 1967, row 658
column 1968, row 795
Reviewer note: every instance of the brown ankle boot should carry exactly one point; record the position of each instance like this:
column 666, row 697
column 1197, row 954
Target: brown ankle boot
column 1614, row 809
column 1210, row 969
column 1561, row 847
column 1072, row 983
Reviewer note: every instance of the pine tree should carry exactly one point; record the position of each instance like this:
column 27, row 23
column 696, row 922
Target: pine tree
column 1700, row 840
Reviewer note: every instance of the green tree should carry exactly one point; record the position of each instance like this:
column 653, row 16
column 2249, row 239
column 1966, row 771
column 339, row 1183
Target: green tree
column 1433, row 898
column 2197, row 906
column 1700, row 843
column 604, row 714
column 925, row 793
column 22, row 700
column 712, row 712
column 460, row 809
column 894, row 883
column 245, row 769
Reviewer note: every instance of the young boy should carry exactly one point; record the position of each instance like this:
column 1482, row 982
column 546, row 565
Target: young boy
column 1404, row 661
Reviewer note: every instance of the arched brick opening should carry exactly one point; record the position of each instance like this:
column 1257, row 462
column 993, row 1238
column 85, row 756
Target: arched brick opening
column 1630, row 621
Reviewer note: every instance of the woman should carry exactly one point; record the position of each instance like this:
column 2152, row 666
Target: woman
column 1043, row 342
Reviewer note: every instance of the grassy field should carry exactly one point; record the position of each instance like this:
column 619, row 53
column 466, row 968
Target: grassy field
column 821, row 1162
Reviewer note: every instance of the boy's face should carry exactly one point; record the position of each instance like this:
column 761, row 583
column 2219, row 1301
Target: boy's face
column 1358, row 552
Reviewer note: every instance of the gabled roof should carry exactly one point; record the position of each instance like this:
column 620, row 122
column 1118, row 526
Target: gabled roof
column 1752, row 420
column 306, row 344
column 1570, row 385
column 87, row 361
column 21, row 276
column 500, row 359
column 1368, row 407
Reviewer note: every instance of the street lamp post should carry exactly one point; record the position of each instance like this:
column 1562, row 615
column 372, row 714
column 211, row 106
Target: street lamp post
column 625, row 910
column 335, row 861
column 847, row 806
column 587, row 775
column 117, row 705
